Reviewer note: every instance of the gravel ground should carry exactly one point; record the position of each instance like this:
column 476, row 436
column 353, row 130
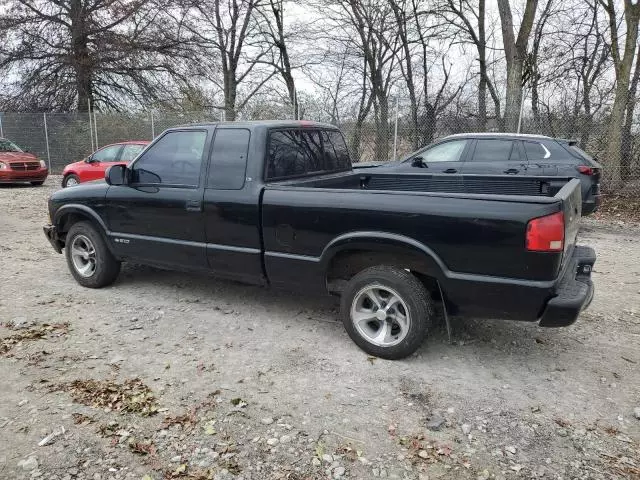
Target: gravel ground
column 244, row 382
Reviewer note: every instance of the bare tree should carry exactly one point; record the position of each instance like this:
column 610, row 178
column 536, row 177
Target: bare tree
column 515, row 50
column 436, row 103
column 231, row 31
column 622, row 62
column 65, row 54
column 591, row 56
column 374, row 27
column 273, row 21
column 406, row 64
column 627, row 138
column 471, row 22
column 534, row 61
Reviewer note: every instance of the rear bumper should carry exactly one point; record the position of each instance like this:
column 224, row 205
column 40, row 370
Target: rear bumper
column 13, row 176
column 574, row 291
column 51, row 233
column 553, row 303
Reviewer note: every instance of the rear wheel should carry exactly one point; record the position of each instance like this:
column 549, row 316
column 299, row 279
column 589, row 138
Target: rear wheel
column 38, row 183
column 386, row 311
column 70, row 180
column 90, row 261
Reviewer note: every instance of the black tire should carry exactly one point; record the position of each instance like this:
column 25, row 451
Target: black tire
column 71, row 176
column 411, row 291
column 38, row 183
column 105, row 267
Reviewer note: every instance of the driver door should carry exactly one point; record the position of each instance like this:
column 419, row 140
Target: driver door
column 157, row 218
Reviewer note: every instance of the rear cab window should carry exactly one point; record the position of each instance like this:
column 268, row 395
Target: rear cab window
column 299, row 152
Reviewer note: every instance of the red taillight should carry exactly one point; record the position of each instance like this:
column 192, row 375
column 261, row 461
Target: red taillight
column 546, row 234
column 586, row 170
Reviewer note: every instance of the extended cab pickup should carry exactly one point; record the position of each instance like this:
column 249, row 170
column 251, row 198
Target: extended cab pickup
column 277, row 203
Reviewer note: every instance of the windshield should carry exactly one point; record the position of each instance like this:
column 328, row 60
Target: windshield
column 7, row 146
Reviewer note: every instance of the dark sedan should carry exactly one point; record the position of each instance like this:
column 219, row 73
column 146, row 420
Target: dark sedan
column 507, row 154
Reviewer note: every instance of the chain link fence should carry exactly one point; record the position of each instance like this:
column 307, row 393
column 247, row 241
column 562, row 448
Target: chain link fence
column 63, row 138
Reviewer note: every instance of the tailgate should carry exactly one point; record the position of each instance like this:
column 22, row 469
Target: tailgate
column 571, row 197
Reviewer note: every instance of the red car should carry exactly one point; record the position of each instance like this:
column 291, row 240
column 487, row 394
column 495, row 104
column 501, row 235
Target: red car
column 18, row 166
column 94, row 166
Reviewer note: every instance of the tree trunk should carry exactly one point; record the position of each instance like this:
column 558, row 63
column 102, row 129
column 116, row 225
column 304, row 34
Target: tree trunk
column 293, row 96
column 612, row 171
column 515, row 51
column 626, row 149
column 381, row 150
column 230, row 90
column 428, row 124
column 482, row 59
column 401, row 22
column 80, row 59
column 513, row 99
column 482, row 103
column 622, row 64
column 535, row 106
column 356, row 141
column 285, row 67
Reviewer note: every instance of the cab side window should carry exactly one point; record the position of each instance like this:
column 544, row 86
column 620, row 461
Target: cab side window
column 228, row 166
column 175, row 159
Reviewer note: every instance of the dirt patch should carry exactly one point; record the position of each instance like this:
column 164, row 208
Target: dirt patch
column 30, row 334
column 250, row 383
column 132, row 396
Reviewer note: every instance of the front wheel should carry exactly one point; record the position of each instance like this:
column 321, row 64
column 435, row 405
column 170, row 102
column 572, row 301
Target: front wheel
column 90, row 261
column 70, row 180
column 386, row 311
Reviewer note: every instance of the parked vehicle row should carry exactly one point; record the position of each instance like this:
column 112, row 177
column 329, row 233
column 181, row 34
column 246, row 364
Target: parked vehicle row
column 18, row 166
column 278, row 204
column 506, row 154
column 94, row 166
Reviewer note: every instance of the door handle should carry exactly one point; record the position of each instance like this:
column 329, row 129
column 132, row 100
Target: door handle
column 450, row 170
column 511, row 171
column 193, row 206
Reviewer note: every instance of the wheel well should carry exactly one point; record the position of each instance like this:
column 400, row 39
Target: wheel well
column 344, row 265
column 68, row 219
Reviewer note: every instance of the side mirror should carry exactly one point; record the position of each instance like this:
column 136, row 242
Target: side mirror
column 116, row 175
column 89, row 159
column 419, row 162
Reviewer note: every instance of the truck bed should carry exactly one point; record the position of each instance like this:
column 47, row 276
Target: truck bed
column 439, row 183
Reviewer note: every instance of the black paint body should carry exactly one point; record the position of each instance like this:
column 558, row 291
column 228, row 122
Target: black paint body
column 467, row 232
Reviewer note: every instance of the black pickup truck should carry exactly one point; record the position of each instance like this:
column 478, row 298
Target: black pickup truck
column 277, row 203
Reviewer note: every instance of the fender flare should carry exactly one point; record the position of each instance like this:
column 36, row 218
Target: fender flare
column 82, row 209
column 384, row 242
